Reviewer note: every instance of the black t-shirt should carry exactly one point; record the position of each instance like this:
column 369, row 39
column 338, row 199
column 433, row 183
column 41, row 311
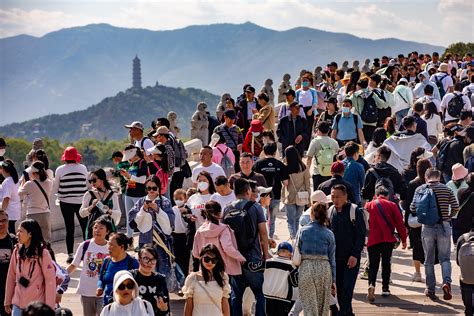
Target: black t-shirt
column 138, row 168
column 6, row 249
column 274, row 172
column 151, row 287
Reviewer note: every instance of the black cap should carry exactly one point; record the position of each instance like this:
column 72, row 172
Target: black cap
column 230, row 114
column 290, row 92
column 2, row 142
column 250, row 89
column 333, row 64
column 331, row 100
column 116, row 154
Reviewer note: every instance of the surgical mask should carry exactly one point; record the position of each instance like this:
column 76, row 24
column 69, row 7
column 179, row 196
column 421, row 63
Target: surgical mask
column 345, row 110
column 203, row 186
column 305, row 84
column 2, row 152
column 179, row 203
column 255, row 134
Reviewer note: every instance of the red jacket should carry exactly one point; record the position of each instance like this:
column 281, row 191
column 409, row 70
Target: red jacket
column 379, row 230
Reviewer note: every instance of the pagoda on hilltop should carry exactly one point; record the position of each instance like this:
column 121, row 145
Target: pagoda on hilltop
column 137, row 74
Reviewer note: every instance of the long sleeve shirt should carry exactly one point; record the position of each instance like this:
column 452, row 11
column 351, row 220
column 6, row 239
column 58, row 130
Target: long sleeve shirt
column 444, row 198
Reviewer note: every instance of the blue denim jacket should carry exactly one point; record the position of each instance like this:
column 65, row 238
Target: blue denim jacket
column 315, row 239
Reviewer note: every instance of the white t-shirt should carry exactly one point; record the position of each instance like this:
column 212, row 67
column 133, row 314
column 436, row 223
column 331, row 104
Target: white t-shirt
column 445, row 79
column 180, row 226
column 445, row 102
column 305, row 98
column 196, row 203
column 147, row 144
column 426, row 99
column 91, row 264
column 434, row 126
column 214, row 169
column 223, row 200
column 9, row 189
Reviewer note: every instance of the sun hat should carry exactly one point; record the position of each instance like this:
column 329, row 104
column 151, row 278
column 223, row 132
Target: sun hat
column 70, row 153
column 459, row 172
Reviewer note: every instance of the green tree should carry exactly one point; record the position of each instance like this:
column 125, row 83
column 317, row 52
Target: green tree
column 459, row 49
column 17, row 150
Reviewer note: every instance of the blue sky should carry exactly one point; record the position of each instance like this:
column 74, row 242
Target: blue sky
column 438, row 22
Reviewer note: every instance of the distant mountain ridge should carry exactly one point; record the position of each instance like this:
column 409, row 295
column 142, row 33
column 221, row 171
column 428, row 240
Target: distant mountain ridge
column 72, row 68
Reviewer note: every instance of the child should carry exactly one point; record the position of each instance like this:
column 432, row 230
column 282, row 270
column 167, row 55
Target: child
column 181, row 247
column 277, row 288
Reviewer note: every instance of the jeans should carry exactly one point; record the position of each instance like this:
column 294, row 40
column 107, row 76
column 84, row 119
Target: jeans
column 129, row 204
column 431, row 236
column 345, row 284
column 238, row 283
column 293, row 213
column 383, row 250
column 16, row 311
column 318, row 179
column 399, row 116
column 68, row 210
column 272, row 212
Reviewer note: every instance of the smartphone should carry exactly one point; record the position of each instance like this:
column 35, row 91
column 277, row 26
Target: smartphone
column 100, row 206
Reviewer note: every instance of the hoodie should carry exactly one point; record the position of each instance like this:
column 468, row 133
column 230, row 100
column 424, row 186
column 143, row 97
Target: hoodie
column 402, row 145
column 419, row 90
column 223, row 238
column 388, row 171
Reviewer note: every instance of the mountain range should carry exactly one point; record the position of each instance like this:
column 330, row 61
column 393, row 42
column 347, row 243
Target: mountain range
column 71, row 69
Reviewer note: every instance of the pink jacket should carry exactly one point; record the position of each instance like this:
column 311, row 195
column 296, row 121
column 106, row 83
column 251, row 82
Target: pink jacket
column 217, row 156
column 223, row 238
column 42, row 285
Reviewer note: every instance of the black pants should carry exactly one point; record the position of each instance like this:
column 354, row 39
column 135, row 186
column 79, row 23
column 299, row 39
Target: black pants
column 277, row 308
column 368, row 132
column 318, row 179
column 237, row 160
column 68, row 210
column 181, row 252
column 11, row 227
column 377, row 251
column 467, row 290
column 176, row 183
column 345, row 284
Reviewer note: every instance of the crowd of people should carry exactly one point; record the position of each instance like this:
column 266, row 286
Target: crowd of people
column 360, row 161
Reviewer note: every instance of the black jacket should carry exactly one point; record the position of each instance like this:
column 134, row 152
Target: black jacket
column 384, row 170
column 287, row 134
column 454, row 153
column 244, row 110
column 336, row 179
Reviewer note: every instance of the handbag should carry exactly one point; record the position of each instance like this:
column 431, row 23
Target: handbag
column 296, row 259
column 392, row 229
column 413, row 221
column 302, row 197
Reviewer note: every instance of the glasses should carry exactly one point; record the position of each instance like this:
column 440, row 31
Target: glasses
column 93, row 180
column 152, row 188
column 129, row 286
column 208, row 259
column 147, row 260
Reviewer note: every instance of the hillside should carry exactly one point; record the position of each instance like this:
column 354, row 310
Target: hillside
column 70, row 69
column 105, row 120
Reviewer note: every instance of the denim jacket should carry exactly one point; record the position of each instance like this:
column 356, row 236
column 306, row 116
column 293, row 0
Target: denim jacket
column 315, row 239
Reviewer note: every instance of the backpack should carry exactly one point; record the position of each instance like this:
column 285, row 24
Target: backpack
column 443, row 154
column 439, row 84
column 455, row 106
column 370, row 111
column 163, row 176
column 226, row 164
column 143, row 142
column 240, row 222
column 466, row 258
column 385, row 182
column 180, row 154
column 352, row 215
column 324, row 159
column 426, row 206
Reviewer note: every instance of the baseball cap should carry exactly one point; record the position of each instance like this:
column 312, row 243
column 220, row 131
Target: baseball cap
column 333, row 63
column 285, row 246
column 264, row 190
column 250, row 89
column 318, row 196
column 135, row 124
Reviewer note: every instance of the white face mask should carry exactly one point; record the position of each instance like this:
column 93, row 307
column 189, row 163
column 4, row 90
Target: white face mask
column 255, row 134
column 203, row 186
column 2, row 152
column 179, row 203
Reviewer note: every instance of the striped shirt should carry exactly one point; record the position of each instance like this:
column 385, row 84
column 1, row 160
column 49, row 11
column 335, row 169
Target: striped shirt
column 70, row 183
column 445, row 199
column 231, row 134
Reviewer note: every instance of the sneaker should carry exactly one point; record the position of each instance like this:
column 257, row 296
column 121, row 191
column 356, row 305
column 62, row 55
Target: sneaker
column 364, row 275
column 417, row 277
column 386, row 293
column 70, row 258
column 431, row 295
column 447, row 291
column 371, row 294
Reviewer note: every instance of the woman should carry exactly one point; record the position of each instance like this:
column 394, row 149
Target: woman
column 298, row 183
column 253, row 143
column 329, row 114
column 196, row 202
column 92, row 253
column 101, row 200
column 466, row 210
column 239, row 116
column 220, row 149
column 389, row 126
column 308, row 98
column 118, row 260
column 212, row 231
column 409, row 173
column 317, row 269
column 267, row 138
column 152, row 285
column 153, row 215
column 434, row 125
column 159, row 165
column 457, row 182
column 31, row 274
column 126, row 300
column 266, row 114
column 136, row 177
column 70, row 185
column 9, row 191
column 415, row 233
column 36, row 193
column 378, row 137
column 207, row 291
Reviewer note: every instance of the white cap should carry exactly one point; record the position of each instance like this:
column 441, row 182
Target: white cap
column 129, row 154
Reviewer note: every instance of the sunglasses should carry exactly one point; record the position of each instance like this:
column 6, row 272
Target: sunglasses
column 152, row 188
column 208, row 259
column 93, row 180
column 148, row 260
column 129, row 286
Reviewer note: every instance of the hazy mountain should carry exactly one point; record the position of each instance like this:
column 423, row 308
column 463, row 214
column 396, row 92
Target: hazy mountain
column 71, row 69
column 106, row 119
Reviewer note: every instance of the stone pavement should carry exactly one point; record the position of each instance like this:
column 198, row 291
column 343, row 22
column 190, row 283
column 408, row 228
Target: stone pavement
column 407, row 296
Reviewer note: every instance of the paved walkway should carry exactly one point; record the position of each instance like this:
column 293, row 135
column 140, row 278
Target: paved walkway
column 407, row 296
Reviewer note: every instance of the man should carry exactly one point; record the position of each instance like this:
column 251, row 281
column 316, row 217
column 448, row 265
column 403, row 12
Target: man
column 255, row 253
column 246, row 172
column 233, row 137
column 3, row 146
column 385, row 96
column 468, row 152
column 7, row 244
column 266, row 114
column 403, row 100
column 402, row 144
column 276, row 174
column 350, row 239
column 285, row 106
column 135, row 132
column 464, row 261
column 337, row 171
column 453, row 104
column 428, row 97
column 419, row 89
column 385, row 171
column 119, row 165
column 205, row 157
column 249, row 106
column 385, row 217
column 323, row 148
column 354, row 172
column 449, row 151
column 437, row 235
column 162, row 136
column 435, row 62
column 443, row 80
column 307, row 97
column 348, row 126
column 469, row 90
column 224, row 194
column 292, row 130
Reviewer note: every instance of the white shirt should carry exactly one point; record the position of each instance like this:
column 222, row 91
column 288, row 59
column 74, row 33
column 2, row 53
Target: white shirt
column 251, row 106
column 434, row 125
column 427, row 99
column 180, row 226
column 9, row 189
column 147, row 144
column 196, row 203
column 447, row 81
column 305, row 98
column 214, row 170
column 223, row 200
column 468, row 88
column 445, row 102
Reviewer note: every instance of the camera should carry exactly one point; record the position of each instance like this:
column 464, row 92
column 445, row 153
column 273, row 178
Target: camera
column 24, row 281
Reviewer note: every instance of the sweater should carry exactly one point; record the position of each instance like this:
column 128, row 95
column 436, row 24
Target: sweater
column 70, row 183
column 36, row 202
column 266, row 115
column 276, row 279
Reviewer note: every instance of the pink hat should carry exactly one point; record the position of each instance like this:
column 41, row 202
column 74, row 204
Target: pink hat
column 459, row 172
column 70, row 153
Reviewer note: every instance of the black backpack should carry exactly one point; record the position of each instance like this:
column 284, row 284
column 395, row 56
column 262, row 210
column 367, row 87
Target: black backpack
column 370, row 111
column 455, row 106
column 443, row 154
column 439, row 84
column 385, row 182
column 241, row 223
column 180, row 154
